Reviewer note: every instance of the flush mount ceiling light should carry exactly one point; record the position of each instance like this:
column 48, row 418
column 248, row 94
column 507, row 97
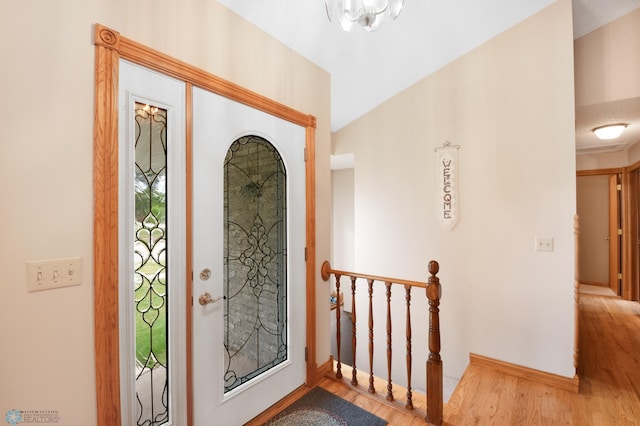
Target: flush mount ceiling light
column 610, row 131
column 366, row 13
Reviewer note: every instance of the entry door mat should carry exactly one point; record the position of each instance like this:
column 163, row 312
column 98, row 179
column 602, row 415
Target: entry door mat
column 321, row 407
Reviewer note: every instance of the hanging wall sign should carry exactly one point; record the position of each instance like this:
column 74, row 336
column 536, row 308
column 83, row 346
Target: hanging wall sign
column 447, row 185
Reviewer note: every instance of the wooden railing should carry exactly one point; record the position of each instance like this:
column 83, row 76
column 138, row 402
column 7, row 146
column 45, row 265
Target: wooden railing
column 434, row 398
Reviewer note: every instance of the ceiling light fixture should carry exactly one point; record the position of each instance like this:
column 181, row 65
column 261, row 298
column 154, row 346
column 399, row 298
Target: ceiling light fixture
column 366, row 13
column 610, row 131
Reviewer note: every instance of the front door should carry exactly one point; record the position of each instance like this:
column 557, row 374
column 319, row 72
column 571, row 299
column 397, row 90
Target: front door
column 248, row 259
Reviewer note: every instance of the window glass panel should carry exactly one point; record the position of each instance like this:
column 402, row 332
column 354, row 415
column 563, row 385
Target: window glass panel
column 255, row 259
column 150, row 265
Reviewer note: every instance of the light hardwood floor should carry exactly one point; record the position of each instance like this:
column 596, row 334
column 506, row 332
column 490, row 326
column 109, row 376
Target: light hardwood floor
column 596, row 290
column 609, row 382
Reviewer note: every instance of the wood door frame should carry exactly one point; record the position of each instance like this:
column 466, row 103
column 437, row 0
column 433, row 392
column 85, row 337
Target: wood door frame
column 632, row 181
column 110, row 47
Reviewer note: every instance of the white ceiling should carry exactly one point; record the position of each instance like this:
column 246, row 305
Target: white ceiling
column 368, row 68
column 589, row 117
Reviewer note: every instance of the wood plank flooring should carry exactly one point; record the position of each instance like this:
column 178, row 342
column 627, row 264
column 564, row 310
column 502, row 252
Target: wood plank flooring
column 609, row 382
column 609, row 379
column 609, row 362
column 597, row 290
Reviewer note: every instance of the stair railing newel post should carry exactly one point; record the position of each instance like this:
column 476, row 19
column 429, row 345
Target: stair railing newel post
column 434, row 363
column 325, row 274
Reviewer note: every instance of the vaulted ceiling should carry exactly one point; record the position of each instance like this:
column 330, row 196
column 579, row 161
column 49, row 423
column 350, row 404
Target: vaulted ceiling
column 368, row 68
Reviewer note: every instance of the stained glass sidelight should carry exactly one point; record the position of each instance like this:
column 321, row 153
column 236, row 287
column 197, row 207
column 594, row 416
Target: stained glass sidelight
column 255, row 260
column 150, row 265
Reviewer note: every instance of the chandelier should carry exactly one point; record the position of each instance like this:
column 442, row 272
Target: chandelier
column 366, row 13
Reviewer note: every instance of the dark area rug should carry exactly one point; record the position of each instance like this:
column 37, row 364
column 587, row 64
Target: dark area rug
column 320, row 407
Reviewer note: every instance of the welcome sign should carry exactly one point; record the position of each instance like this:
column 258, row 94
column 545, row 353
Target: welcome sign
column 447, row 185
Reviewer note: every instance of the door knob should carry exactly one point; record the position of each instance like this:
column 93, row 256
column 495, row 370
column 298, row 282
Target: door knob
column 205, row 299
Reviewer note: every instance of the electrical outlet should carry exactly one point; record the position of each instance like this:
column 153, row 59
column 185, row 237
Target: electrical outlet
column 544, row 244
column 54, row 273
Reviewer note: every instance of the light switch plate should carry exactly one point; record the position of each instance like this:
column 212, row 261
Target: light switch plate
column 53, row 273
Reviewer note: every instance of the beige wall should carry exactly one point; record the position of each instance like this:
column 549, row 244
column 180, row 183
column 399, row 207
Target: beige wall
column 46, row 116
column 509, row 104
column 607, row 62
column 342, row 217
column 634, row 154
column 607, row 68
column 602, row 161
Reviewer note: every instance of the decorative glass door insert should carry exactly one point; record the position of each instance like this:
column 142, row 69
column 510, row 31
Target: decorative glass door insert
column 150, row 265
column 255, row 260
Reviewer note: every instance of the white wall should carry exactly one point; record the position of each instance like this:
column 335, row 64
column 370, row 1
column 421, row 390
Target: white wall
column 509, row 104
column 46, row 128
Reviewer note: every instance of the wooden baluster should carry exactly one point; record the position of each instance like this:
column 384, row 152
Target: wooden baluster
column 354, row 375
column 338, row 336
column 409, row 404
column 389, row 385
column 434, row 412
column 434, row 363
column 372, row 389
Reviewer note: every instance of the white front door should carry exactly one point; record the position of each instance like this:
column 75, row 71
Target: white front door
column 248, row 256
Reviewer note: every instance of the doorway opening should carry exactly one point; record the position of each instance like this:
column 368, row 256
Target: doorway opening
column 599, row 206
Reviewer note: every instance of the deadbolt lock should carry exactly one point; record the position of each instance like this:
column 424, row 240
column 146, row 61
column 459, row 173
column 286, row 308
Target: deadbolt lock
column 205, row 274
